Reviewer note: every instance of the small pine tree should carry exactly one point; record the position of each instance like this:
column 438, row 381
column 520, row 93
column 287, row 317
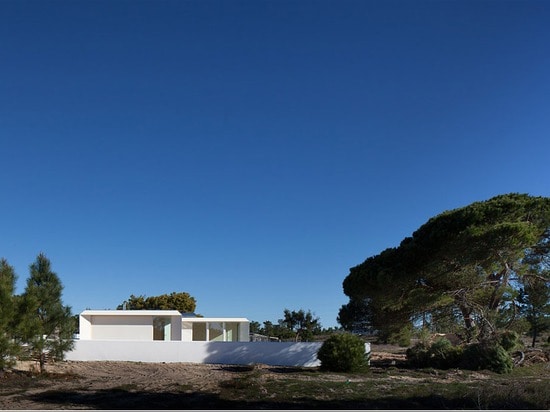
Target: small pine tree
column 343, row 353
column 8, row 348
column 45, row 324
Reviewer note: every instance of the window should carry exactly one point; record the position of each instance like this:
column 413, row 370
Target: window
column 199, row 331
column 215, row 331
column 161, row 329
column 232, row 331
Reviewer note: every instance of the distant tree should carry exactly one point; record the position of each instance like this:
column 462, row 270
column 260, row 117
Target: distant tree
column 45, row 324
column 181, row 301
column 303, row 324
column 133, row 303
column 8, row 349
column 255, row 327
column 269, row 329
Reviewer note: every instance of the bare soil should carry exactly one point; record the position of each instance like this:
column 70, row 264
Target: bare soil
column 135, row 385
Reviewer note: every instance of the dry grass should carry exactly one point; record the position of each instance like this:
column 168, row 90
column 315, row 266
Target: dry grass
column 389, row 384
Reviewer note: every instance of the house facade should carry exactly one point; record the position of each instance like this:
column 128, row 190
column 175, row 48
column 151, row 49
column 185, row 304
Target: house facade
column 167, row 336
column 160, row 325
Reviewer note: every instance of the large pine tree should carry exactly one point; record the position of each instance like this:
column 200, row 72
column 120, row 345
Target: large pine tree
column 46, row 325
column 464, row 263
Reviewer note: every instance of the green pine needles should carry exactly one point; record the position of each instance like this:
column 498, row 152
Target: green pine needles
column 343, row 353
column 37, row 320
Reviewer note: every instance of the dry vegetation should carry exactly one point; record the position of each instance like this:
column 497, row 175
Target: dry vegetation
column 387, row 385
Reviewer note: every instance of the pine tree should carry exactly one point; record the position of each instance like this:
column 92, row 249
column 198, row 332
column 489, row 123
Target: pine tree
column 534, row 296
column 8, row 348
column 45, row 324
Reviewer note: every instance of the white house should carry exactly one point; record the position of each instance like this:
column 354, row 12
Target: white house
column 167, row 336
column 160, row 325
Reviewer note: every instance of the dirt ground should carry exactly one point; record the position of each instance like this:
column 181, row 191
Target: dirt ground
column 136, row 385
column 99, row 385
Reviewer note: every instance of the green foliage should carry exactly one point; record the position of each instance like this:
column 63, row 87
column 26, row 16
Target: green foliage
column 418, row 355
column 487, row 355
column 402, row 337
column 510, row 340
column 534, row 295
column 181, row 301
column 441, row 354
column 273, row 330
column 459, row 263
column 355, row 316
column 295, row 325
column 343, row 353
column 44, row 323
column 444, row 355
column 8, row 349
column 255, row 327
column 303, row 324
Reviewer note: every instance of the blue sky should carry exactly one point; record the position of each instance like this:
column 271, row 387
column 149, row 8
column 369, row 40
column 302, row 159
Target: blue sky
column 251, row 152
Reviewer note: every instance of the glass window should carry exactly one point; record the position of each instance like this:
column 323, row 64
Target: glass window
column 215, row 331
column 161, row 328
column 199, row 331
column 232, row 331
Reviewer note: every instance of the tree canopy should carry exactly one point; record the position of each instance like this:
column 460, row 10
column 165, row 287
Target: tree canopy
column 296, row 325
column 461, row 267
column 44, row 323
column 8, row 349
column 303, row 324
column 181, row 301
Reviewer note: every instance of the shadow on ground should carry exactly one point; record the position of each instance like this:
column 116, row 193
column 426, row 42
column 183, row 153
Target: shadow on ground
column 118, row 399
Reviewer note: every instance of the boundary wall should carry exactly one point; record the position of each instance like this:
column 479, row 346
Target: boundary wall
column 229, row 353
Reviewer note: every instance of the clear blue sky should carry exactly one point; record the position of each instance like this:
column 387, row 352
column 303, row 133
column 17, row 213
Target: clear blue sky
column 251, row 152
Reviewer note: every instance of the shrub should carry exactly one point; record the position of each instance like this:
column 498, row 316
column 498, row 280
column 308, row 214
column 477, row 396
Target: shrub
column 343, row 353
column 441, row 354
column 491, row 356
column 402, row 337
column 444, row 355
column 510, row 340
column 418, row 355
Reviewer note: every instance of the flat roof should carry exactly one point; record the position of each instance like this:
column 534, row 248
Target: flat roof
column 215, row 319
column 131, row 312
column 158, row 313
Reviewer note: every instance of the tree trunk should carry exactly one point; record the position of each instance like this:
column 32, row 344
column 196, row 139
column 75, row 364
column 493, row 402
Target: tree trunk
column 468, row 321
column 42, row 362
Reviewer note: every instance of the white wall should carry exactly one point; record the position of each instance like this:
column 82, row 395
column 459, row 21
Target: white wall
column 128, row 328
column 231, row 353
column 176, row 327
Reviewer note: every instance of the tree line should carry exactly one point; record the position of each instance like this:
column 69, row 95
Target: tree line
column 296, row 325
column 36, row 323
column 180, row 301
column 475, row 271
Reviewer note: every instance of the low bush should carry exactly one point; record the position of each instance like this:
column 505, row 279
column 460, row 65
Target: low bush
column 492, row 355
column 510, row 340
column 441, row 354
column 402, row 337
column 487, row 355
column 418, row 355
column 343, row 353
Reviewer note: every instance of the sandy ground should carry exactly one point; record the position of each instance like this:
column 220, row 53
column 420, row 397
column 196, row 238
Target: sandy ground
column 103, row 377
column 136, row 385
column 100, row 385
